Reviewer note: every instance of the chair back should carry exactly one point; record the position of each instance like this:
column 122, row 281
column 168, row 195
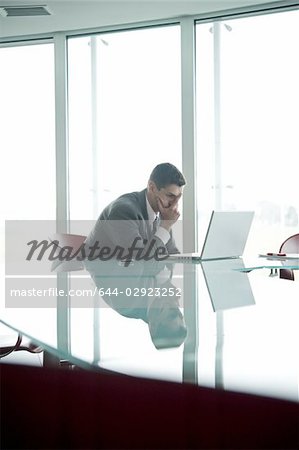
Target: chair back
column 290, row 245
column 73, row 242
column 68, row 240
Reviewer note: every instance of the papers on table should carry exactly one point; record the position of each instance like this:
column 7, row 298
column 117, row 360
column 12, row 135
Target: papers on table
column 279, row 257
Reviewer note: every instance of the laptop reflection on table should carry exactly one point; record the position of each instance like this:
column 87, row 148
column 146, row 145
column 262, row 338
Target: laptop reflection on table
column 227, row 286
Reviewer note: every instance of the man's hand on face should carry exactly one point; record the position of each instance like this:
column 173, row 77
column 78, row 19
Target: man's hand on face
column 169, row 214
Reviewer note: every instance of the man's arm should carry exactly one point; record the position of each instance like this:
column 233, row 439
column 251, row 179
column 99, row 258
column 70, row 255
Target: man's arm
column 169, row 216
column 127, row 230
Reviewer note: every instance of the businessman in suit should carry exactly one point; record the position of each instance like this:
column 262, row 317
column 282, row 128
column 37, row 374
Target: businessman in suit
column 138, row 225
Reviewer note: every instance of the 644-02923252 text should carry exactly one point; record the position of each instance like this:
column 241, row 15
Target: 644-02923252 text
column 142, row 292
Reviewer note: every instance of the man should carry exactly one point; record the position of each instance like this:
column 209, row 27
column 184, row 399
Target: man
column 138, row 225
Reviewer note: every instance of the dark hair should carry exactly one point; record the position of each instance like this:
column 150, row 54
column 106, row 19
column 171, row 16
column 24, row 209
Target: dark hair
column 165, row 174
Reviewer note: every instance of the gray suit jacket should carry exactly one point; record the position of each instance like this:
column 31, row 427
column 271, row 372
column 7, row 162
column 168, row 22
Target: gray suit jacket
column 123, row 224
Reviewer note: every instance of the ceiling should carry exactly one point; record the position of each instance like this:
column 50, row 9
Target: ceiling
column 78, row 14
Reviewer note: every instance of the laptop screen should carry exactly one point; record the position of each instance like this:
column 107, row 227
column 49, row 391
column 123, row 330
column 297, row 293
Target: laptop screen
column 227, row 234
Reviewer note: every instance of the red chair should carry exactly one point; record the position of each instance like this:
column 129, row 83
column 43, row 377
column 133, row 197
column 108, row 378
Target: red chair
column 64, row 240
column 70, row 243
column 290, row 245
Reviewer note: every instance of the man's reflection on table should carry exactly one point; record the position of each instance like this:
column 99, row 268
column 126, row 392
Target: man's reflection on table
column 143, row 290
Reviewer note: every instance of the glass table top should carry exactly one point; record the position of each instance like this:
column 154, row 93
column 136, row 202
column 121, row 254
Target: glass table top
column 210, row 324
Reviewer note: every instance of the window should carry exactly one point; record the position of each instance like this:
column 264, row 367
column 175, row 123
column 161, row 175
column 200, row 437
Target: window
column 27, row 137
column 27, row 119
column 124, row 113
column 248, row 159
column 247, row 122
column 124, row 119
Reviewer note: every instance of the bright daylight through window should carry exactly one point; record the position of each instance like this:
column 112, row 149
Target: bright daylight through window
column 247, row 122
column 124, row 110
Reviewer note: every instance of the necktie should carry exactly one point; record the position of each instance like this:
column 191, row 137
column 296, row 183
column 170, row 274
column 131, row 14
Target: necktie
column 155, row 225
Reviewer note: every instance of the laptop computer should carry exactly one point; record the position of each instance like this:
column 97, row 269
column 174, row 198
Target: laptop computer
column 226, row 237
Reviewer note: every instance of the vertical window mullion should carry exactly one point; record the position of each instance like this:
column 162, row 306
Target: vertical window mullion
column 188, row 133
column 62, row 209
column 62, row 201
